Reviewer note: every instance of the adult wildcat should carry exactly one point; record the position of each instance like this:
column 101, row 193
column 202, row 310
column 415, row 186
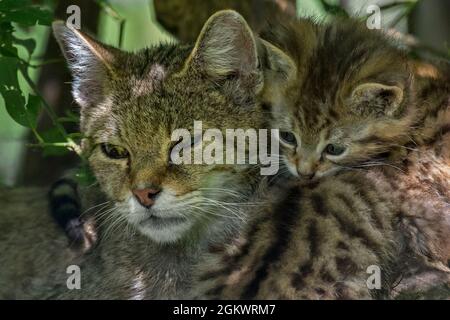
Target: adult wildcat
column 160, row 216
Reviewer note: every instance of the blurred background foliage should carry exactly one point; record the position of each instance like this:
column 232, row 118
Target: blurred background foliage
column 38, row 118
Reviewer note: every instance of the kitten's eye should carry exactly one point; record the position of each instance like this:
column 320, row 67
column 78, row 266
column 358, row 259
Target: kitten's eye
column 288, row 138
column 334, row 149
column 114, row 152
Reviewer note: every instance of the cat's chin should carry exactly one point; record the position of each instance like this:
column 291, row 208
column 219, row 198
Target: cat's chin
column 160, row 223
column 165, row 230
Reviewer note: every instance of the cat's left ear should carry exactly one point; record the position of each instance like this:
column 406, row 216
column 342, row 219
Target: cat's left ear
column 226, row 51
column 91, row 62
column 377, row 98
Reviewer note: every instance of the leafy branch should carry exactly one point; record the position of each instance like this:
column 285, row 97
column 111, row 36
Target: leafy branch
column 25, row 110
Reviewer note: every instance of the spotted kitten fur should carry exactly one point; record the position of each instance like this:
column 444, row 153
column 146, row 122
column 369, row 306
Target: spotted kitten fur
column 380, row 108
column 315, row 239
column 356, row 98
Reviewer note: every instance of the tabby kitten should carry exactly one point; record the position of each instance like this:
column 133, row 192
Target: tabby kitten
column 317, row 239
column 379, row 108
column 357, row 99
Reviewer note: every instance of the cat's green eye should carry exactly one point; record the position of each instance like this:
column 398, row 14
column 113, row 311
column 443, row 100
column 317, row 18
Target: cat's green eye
column 114, row 152
column 335, row 149
column 288, row 138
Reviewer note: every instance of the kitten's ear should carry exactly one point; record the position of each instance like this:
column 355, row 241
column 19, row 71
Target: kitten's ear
column 377, row 98
column 278, row 67
column 90, row 61
column 226, row 49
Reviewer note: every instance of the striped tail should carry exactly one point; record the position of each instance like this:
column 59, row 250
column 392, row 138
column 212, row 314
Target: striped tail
column 65, row 208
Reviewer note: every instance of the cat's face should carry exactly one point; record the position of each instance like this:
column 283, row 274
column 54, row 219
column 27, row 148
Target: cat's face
column 130, row 149
column 348, row 106
column 131, row 105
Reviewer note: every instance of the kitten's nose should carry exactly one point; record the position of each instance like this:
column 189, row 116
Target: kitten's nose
column 305, row 173
column 307, row 176
column 307, row 170
column 146, row 197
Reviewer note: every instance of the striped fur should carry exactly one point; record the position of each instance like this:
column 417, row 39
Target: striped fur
column 324, row 104
column 65, row 209
column 343, row 56
column 413, row 140
column 390, row 207
column 316, row 240
column 312, row 240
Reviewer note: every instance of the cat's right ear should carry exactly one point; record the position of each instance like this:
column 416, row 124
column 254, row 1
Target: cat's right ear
column 91, row 63
column 226, row 54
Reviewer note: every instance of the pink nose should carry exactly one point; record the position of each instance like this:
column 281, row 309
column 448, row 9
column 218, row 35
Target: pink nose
column 146, row 197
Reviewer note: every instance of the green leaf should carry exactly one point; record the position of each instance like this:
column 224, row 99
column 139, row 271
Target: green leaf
column 8, row 51
column 24, row 12
column 29, row 16
column 8, row 76
column 6, row 40
column 10, row 90
column 334, row 9
column 15, row 105
column 28, row 44
column 23, row 113
column 53, row 135
column 84, row 176
column 33, row 109
column 6, row 5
